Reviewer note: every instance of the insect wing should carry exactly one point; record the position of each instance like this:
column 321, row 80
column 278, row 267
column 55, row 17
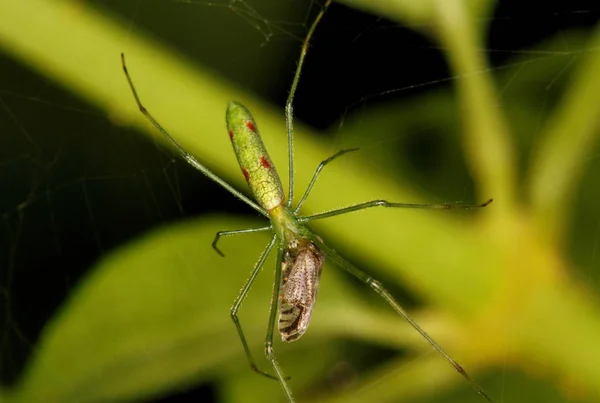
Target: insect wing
column 302, row 269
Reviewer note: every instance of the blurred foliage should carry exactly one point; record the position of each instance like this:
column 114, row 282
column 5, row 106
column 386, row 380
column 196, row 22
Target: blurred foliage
column 504, row 288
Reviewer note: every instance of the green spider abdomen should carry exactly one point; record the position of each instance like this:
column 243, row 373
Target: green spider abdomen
column 258, row 170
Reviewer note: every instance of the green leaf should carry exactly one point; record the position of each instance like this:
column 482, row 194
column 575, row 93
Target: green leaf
column 151, row 316
column 154, row 316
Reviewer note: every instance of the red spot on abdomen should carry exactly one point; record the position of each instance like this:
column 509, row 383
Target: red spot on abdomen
column 265, row 162
column 230, row 134
column 246, row 175
column 251, row 126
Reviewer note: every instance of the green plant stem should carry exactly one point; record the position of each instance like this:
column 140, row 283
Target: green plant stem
column 569, row 136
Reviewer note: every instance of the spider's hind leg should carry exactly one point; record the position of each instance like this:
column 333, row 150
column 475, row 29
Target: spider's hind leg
column 383, row 293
